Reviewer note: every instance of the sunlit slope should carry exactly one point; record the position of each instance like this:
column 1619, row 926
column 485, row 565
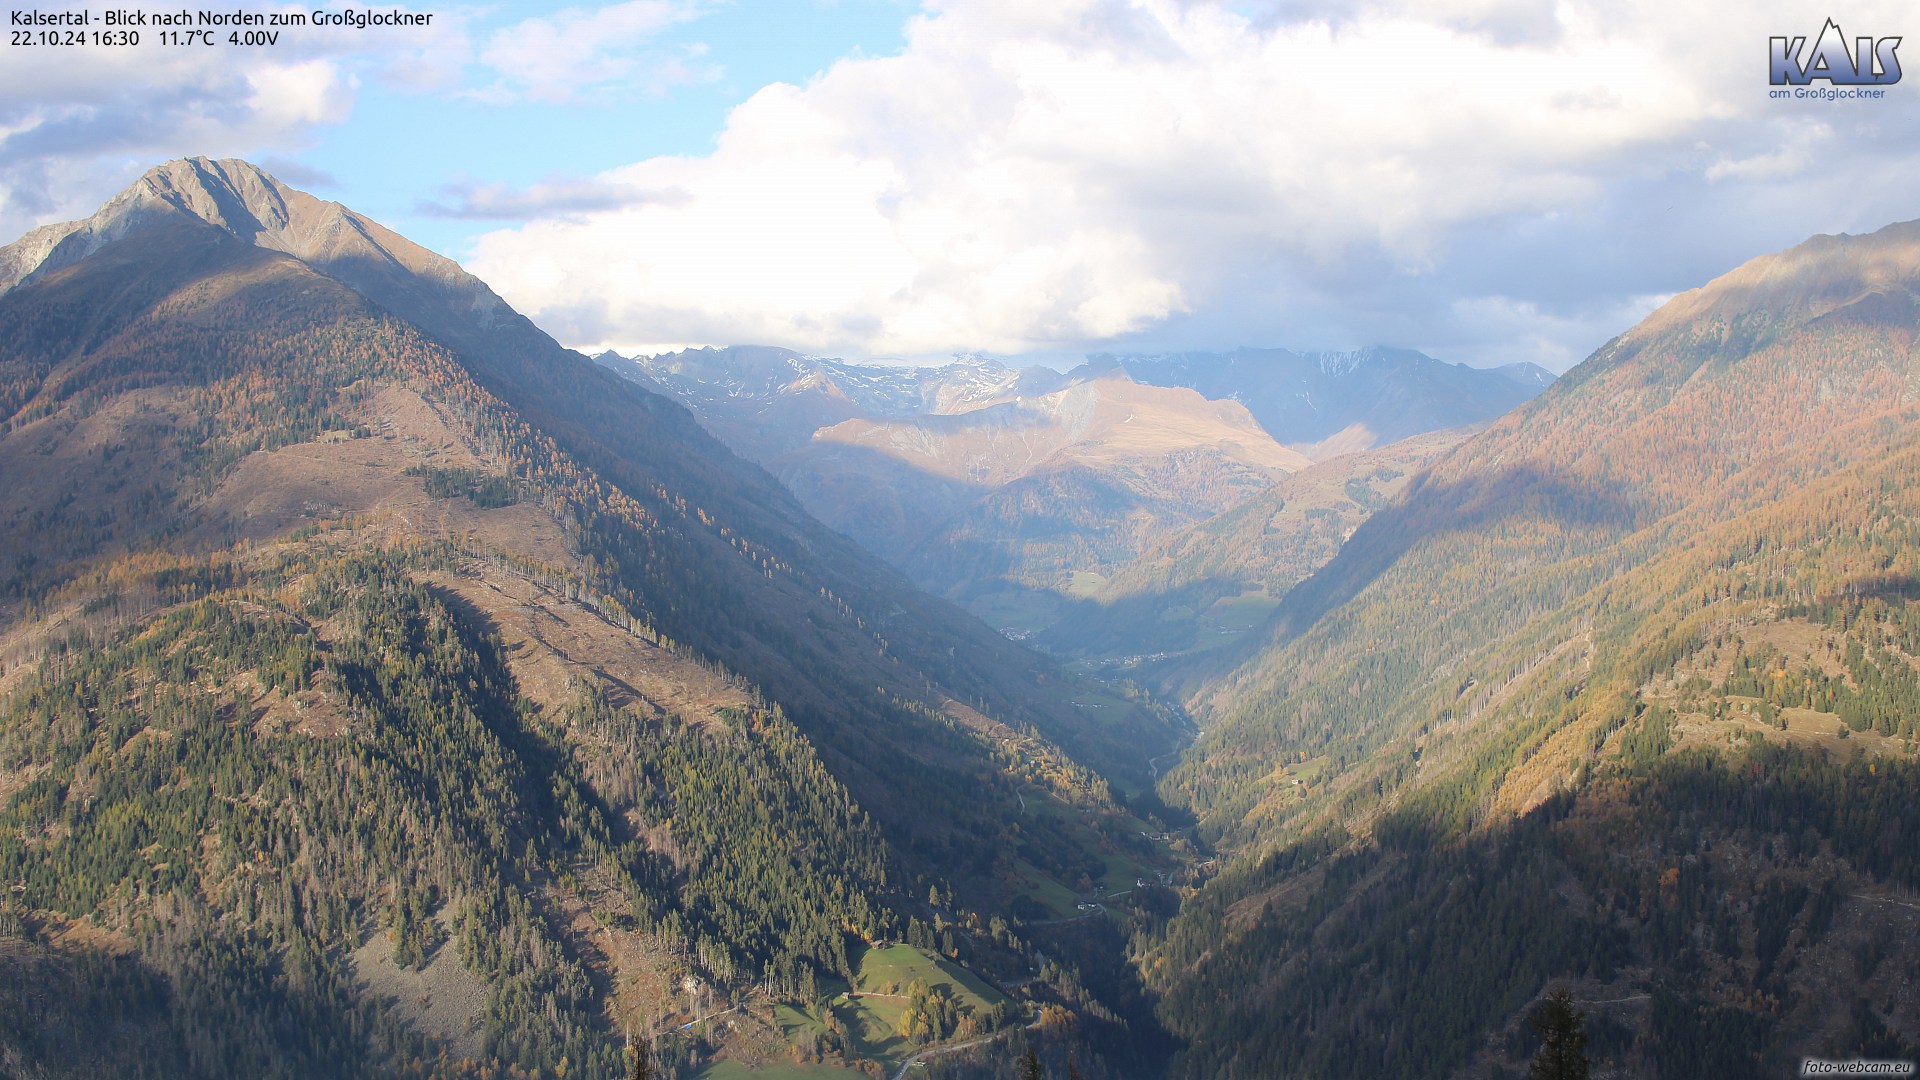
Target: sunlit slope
column 1511, row 552
column 1206, row 586
column 1622, row 692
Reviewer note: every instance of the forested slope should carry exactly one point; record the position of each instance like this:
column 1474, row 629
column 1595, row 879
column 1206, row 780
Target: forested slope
column 387, row 690
column 1621, row 691
column 1184, row 592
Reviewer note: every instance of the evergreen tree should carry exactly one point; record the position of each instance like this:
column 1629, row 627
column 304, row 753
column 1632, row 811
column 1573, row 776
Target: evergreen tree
column 1030, row 1067
column 1563, row 1039
column 641, row 1060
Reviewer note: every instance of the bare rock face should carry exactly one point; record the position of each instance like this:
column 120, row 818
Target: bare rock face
column 245, row 201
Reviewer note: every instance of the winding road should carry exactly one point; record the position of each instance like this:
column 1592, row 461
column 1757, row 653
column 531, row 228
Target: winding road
column 921, row 1058
column 1153, row 763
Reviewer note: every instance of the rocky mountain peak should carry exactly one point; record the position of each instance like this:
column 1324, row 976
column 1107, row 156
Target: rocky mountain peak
column 247, row 202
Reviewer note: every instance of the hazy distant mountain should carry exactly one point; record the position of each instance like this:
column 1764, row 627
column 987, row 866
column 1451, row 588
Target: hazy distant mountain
column 1333, row 403
column 974, row 477
column 947, row 495
column 383, row 685
column 1621, row 693
column 1204, row 586
column 766, row 401
column 1012, row 489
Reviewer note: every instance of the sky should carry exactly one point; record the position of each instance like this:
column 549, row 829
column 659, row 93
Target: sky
column 1487, row 181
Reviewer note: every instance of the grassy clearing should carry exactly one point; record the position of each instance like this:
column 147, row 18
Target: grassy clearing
column 871, row 1018
column 1304, row 771
column 872, row 1025
column 1243, row 612
column 1103, row 706
column 794, row 1022
column 1020, row 610
column 1123, row 871
column 1178, row 613
column 1084, row 583
column 1052, row 895
column 901, row 964
column 875, row 1018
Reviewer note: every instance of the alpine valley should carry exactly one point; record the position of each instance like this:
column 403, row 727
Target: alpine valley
column 386, row 690
column 1021, row 494
column 390, row 691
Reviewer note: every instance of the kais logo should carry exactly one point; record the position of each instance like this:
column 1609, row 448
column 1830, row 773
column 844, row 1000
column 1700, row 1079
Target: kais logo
column 1872, row 63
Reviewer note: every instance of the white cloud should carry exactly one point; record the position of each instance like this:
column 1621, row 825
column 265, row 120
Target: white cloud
column 76, row 123
column 1799, row 150
column 578, row 51
column 1525, row 331
column 557, row 196
column 1043, row 176
column 297, row 95
column 1075, row 174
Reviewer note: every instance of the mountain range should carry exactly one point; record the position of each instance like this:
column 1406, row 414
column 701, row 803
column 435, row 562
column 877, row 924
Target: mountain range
column 387, row 689
column 1330, row 403
column 1206, row 585
column 1020, row 492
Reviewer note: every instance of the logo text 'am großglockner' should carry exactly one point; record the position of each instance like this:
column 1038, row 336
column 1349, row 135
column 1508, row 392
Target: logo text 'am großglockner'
column 1873, row 61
